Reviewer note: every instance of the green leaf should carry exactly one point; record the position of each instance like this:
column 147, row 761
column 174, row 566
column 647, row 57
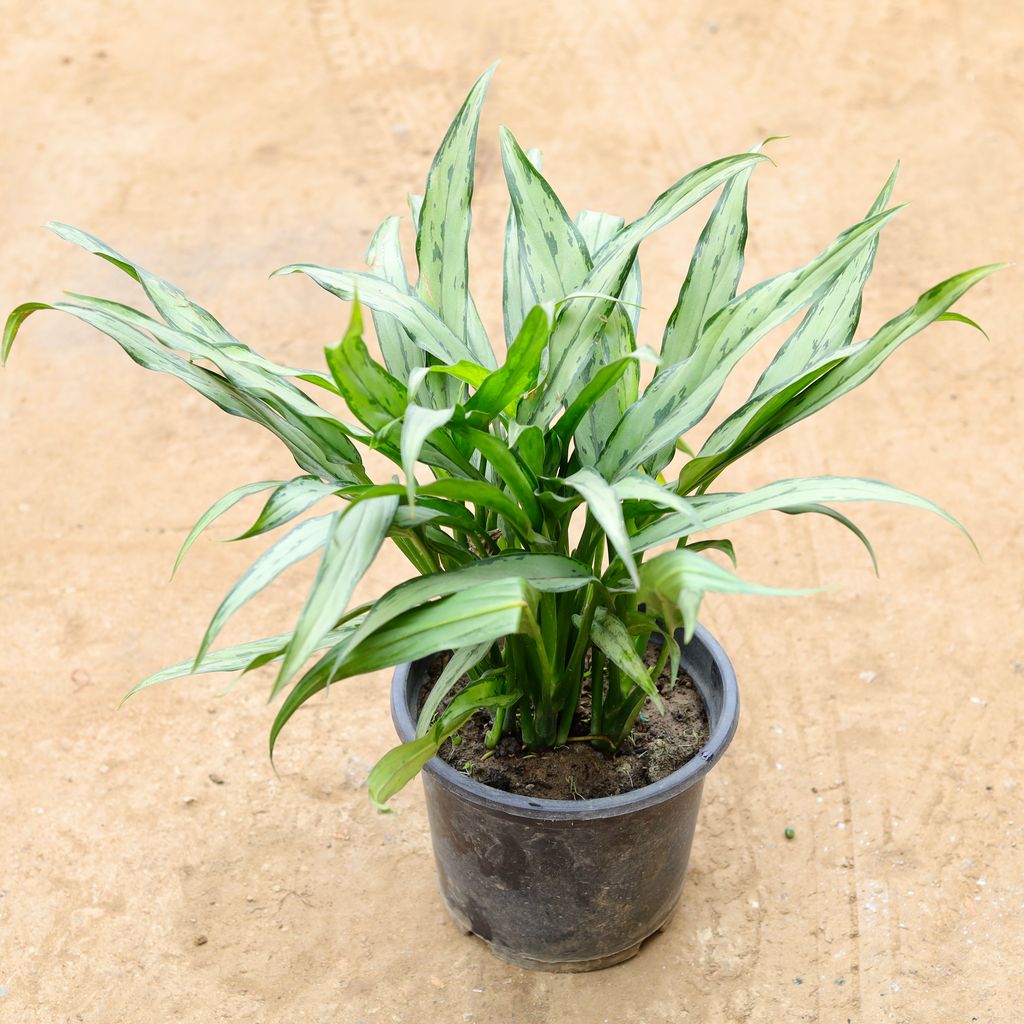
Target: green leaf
column 462, row 661
column 517, row 293
column 780, row 496
column 725, row 546
column 747, row 426
column 552, row 252
column 417, row 426
column 217, row 509
column 423, row 325
column 830, row 323
column 238, row 657
column 13, row 324
column 579, row 322
column 468, row 372
column 371, row 393
column 483, row 495
column 444, row 223
column 310, row 452
column 355, row 538
column 603, row 379
column 475, row 615
column 610, row 635
column 401, row 764
column 516, row 477
column 606, row 508
column 714, row 272
column 296, row 545
column 680, row 395
column 401, row 355
column 553, row 574
column 831, row 513
column 290, row 499
column 637, row 487
column 868, row 355
column 616, row 341
column 519, row 374
column 672, row 583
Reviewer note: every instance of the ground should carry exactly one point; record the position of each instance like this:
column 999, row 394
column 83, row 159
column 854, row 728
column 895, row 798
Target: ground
column 152, row 866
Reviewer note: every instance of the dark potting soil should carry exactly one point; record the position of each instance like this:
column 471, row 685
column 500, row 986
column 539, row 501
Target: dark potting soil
column 657, row 746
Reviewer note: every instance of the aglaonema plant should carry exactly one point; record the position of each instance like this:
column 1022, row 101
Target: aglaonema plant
column 528, row 497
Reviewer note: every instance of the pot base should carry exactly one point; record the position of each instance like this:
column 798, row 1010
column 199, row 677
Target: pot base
column 558, row 966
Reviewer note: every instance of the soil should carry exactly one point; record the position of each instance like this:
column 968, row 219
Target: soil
column 883, row 720
column 657, row 745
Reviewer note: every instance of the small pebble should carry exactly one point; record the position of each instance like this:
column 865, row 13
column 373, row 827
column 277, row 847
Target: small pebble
column 216, row 779
column 790, row 833
column 201, row 940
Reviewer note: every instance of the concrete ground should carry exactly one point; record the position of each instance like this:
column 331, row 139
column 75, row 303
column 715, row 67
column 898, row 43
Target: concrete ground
column 882, row 720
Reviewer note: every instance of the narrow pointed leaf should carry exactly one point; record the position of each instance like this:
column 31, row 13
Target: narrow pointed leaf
column 517, row 292
column 216, row 510
column 423, row 325
column 680, row 395
column 401, row 764
column 672, row 583
column 296, row 545
column 606, row 508
column 714, row 273
column 830, row 323
column 553, row 254
column 609, row 634
column 289, row 500
column 238, row 657
column 579, row 322
column 355, row 538
column 401, row 354
column 476, row 615
column 417, row 425
column 462, row 661
column 519, row 374
column 718, row 509
column 445, row 216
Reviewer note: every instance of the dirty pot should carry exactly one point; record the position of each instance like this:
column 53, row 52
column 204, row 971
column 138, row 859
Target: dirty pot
column 569, row 885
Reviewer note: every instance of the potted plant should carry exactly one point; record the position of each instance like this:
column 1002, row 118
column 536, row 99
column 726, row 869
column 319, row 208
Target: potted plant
column 551, row 678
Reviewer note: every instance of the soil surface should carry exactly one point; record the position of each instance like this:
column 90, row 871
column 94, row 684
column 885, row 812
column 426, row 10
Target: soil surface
column 882, row 720
column 657, row 745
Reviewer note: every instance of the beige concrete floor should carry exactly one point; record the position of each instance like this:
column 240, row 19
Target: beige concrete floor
column 218, row 141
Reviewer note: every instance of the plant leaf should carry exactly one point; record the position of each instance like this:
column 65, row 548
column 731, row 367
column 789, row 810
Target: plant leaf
column 445, row 216
column 294, row 546
column 355, row 538
column 609, row 634
column 462, row 661
column 552, row 253
column 217, row 509
column 718, row 509
column 519, row 374
column 423, row 325
column 672, row 583
column 401, row 764
column 290, row 499
column 714, row 272
column 238, row 657
column 579, row 322
column 371, row 393
column 605, row 507
column 681, row 394
column 417, row 425
column 475, row 615
column 384, row 256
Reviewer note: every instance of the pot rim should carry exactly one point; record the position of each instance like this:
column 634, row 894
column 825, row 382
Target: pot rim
column 722, row 731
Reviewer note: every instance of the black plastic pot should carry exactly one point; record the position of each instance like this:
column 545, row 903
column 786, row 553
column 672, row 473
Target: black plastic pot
column 569, row 885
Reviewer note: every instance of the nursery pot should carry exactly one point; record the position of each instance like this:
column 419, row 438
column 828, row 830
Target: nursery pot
column 569, row 885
